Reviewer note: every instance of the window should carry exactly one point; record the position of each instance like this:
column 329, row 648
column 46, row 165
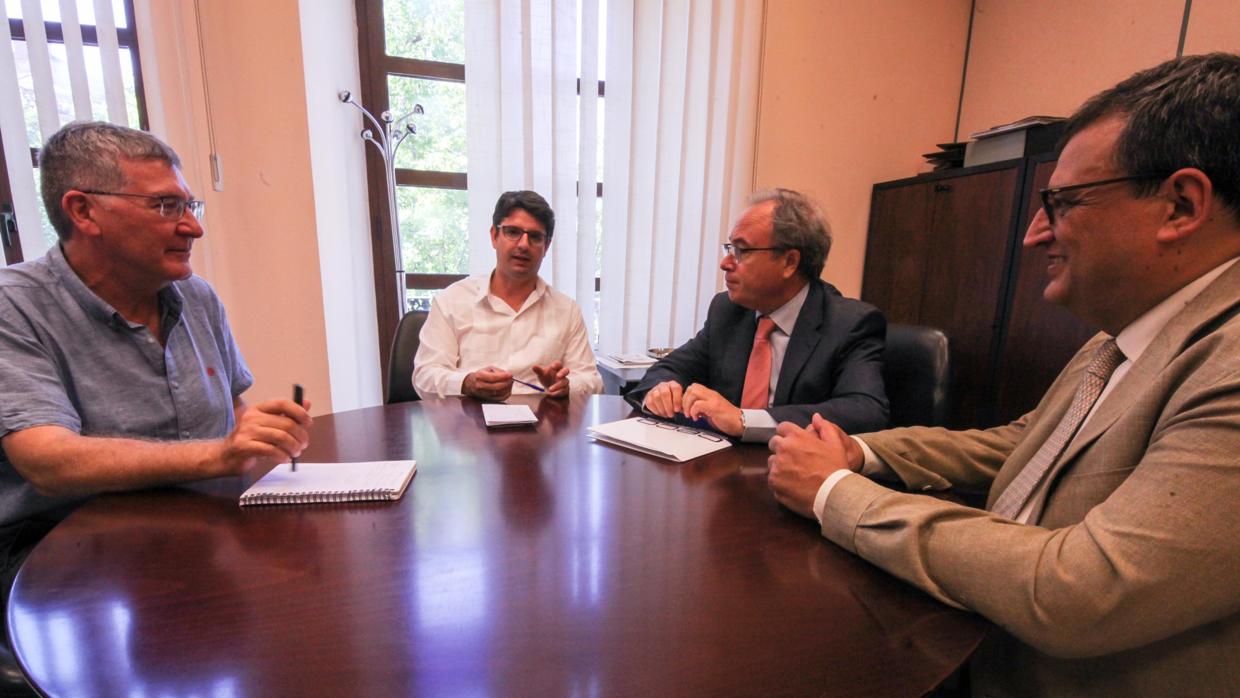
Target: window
column 413, row 52
column 61, row 73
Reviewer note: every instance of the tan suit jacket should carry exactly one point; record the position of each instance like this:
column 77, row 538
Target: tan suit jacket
column 1129, row 584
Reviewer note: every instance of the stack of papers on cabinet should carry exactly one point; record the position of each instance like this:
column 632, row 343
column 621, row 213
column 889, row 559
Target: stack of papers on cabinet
column 660, row 439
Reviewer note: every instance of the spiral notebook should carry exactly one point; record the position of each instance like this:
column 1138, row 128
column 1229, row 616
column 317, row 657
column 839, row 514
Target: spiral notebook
column 316, row 483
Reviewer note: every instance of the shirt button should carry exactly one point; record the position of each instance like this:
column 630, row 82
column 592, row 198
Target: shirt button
column 150, row 340
column 175, row 385
column 185, row 434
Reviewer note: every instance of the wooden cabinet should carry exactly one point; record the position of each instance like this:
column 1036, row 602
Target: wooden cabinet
column 945, row 250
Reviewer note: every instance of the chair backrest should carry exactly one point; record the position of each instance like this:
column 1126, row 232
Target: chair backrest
column 400, row 361
column 917, row 374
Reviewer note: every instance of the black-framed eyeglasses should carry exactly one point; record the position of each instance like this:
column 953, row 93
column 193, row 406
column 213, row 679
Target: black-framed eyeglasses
column 682, row 429
column 537, row 238
column 172, row 207
column 1050, row 202
column 740, row 253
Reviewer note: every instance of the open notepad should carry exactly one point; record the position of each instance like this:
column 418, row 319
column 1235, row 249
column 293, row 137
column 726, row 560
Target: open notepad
column 658, row 438
column 315, row 483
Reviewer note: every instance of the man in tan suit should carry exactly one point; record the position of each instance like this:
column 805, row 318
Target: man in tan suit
column 1109, row 552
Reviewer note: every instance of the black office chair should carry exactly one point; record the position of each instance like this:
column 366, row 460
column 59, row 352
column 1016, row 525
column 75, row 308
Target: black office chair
column 12, row 682
column 400, row 361
column 917, row 374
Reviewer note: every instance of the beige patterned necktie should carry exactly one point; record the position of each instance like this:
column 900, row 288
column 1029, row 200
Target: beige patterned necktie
column 1013, row 500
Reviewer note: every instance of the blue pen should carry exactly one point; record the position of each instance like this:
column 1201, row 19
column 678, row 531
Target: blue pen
column 529, row 385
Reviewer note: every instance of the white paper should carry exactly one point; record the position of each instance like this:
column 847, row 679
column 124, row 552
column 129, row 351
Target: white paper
column 499, row 415
column 660, row 439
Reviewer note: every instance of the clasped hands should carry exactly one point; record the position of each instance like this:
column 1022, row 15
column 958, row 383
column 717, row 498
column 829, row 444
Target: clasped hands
column 695, row 402
column 803, row 458
column 492, row 383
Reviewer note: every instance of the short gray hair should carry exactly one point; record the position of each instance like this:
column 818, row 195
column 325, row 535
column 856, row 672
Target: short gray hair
column 87, row 155
column 798, row 224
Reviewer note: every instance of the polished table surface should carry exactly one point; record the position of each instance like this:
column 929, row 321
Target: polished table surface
column 530, row 561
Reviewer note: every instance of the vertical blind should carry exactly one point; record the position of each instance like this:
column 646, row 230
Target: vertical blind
column 678, row 110
column 46, row 83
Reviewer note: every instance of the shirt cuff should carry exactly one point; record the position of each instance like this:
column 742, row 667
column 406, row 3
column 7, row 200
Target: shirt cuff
column 820, row 500
column 873, row 465
column 759, row 425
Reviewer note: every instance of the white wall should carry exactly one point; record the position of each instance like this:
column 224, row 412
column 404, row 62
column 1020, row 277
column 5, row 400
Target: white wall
column 338, row 169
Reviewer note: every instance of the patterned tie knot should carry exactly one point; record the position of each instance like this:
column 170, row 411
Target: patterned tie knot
column 1106, row 360
column 765, row 327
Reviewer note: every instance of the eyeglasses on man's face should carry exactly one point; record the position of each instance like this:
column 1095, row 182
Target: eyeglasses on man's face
column 1055, row 205
column 739, row 253
column 682, row 429
column 171, row 207
column 513, row 233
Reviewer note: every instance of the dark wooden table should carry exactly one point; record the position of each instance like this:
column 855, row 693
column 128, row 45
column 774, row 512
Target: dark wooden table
column 521, row 562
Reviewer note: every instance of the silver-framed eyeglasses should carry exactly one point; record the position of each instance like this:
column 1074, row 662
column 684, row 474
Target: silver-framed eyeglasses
column 538, row 238
column 740, row 253
column 682, row 429
column 1052, row 203
column 172, row 207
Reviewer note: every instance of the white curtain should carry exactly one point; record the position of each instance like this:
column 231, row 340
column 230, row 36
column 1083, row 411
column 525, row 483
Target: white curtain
column 55, row 81
column 678, row 128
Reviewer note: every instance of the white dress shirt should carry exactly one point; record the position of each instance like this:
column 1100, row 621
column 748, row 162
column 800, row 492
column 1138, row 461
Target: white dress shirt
column 1133, row 340
column 469, row 329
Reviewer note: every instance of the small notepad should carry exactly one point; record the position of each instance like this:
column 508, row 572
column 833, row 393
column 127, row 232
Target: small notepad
column 315, row 483
column 498, row 415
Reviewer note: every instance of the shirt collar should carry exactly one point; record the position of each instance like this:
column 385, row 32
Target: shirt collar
column 1134, row 339
column 785, row 316
column 482, row 293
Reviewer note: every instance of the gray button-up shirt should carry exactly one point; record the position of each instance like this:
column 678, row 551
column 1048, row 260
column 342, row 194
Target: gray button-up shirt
column 69, row 359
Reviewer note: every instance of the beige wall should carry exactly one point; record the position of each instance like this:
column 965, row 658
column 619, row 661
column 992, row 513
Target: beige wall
column 260, row 252
column 852, row 94
column 1022, row 64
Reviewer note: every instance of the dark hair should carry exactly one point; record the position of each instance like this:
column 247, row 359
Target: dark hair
column 87, row 155
column 1182, row 113
column 531, row 202
column 798, row 224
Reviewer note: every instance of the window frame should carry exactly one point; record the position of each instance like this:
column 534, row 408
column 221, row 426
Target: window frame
column 375, row 67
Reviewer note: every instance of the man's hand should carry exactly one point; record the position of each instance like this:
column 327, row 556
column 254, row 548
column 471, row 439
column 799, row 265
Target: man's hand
column 700, row 401
column 490, row 383
column 554, row 378
column 664, row 399
column 267, row 433
column 802, row 459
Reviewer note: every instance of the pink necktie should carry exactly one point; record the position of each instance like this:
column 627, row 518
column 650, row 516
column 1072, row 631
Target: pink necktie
column 1013, row 499
column 758, row 374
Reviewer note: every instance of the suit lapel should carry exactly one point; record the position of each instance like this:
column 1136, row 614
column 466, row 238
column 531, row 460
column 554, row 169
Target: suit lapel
column 806, row 334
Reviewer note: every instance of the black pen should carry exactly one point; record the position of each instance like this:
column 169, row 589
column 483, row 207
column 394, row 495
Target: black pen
column 298, row 394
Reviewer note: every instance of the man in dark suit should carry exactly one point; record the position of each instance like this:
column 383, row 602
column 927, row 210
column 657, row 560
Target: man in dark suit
column 780, row 344
column 1107, row 554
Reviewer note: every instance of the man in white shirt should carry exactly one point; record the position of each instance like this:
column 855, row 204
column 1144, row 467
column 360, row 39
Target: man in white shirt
column 508, row 332
column 1107, row 553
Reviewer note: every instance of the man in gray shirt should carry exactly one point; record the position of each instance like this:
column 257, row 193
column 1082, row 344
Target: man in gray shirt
column 117, row 367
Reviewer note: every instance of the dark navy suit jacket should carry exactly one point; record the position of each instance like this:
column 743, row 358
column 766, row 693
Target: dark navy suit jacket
column 832, row 366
